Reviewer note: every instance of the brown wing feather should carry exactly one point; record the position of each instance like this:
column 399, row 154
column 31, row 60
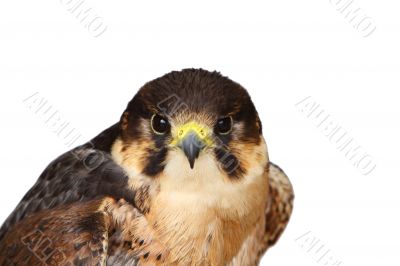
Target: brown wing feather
column 82, row 174
column 90, row 233
column 71, row 235
column 280, row 206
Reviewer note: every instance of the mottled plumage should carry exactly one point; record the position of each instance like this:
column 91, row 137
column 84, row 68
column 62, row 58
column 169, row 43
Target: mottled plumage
column 182, row 179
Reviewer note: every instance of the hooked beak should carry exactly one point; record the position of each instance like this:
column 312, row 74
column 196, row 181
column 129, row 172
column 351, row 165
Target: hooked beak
column 191, row 145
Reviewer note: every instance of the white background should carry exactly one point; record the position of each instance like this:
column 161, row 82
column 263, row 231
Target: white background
column 281, row 51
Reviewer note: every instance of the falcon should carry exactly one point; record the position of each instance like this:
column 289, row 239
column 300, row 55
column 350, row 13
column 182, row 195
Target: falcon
column 183, row 178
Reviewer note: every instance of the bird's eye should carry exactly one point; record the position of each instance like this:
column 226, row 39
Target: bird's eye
column 224, row 125
column 160, row 124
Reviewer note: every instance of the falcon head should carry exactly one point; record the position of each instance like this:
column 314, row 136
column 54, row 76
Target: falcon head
column 190, row 124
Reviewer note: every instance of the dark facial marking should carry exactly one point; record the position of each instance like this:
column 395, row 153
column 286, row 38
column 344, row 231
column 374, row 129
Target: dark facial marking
column 229, row 163
column 155, row 161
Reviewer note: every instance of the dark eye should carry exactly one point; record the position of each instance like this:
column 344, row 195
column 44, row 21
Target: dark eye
column 160, row 124
column 224, row 125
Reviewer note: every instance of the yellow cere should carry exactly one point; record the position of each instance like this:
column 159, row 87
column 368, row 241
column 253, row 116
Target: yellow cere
column 203, row 132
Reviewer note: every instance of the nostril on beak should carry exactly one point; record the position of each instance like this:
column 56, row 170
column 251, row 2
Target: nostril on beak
column 191, row 146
